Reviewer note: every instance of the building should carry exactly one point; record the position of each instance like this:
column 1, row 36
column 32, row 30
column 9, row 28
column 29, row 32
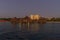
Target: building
column 34, row 17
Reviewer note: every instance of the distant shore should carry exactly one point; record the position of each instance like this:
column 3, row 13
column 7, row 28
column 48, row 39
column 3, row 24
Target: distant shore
column 3, row 21
column 53, row 22
column 46, row 21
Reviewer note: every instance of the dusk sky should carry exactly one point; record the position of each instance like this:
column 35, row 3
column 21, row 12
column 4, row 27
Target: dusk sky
column 21, row 8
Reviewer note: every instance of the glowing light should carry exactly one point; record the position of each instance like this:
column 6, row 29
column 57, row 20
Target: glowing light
column 34, row 17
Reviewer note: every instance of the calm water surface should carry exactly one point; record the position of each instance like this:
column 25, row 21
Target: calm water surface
column 34, row 31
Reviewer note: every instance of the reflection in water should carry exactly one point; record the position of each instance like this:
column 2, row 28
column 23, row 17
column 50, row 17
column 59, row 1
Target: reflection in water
column 29, row 27
column 23, row 27
column 33, row 27
column 15, row 27
column 33, row 31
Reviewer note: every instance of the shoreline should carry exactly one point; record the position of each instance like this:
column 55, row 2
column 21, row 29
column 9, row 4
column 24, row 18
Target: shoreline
column 46, row 22
column 3, row 21
column 53, row 22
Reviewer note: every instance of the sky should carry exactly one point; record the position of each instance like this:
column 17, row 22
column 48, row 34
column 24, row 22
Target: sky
column 21, row 8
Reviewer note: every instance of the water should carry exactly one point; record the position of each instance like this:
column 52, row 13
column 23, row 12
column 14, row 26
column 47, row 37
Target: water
column 33, row 31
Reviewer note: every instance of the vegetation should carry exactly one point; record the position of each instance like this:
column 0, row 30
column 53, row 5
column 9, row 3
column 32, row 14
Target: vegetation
column 5, row 19
column 42, row 18
column 54, row 19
